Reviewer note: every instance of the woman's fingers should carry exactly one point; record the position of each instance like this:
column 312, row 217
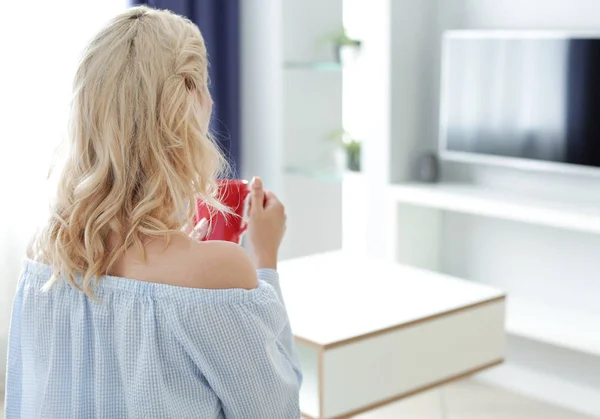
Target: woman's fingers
column 257, row 196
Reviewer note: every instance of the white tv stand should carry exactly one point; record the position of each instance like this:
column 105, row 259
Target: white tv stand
column 579, row 215
column 526, row 318
column 417, row 237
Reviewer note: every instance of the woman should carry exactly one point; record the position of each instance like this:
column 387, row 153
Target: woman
column 118, row 313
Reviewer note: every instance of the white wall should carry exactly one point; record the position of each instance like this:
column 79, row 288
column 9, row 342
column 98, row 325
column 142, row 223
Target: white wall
column 517, row 14
column 559, row 266
column 398, row 63
column 41, row 43
column 262, row 90
column 374, row 62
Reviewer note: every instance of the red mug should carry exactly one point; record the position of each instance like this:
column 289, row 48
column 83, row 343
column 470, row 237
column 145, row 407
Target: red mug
column 227, row 227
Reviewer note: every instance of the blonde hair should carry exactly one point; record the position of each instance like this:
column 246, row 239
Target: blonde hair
column 140, row 152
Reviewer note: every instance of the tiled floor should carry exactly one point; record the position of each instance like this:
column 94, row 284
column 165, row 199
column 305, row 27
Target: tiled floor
column 464, row 400
column 469, row 399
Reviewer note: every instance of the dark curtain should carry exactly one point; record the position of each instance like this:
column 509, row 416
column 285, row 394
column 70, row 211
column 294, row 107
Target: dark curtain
column 583, row 102
column 219, row 22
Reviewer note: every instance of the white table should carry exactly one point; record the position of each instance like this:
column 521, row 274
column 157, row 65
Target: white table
column 370, row 332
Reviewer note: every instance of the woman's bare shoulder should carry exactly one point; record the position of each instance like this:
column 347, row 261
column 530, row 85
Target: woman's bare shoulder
column 187, row 263
column 220, row 265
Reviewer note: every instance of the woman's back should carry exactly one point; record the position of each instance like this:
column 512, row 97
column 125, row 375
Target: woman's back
column 150, row 350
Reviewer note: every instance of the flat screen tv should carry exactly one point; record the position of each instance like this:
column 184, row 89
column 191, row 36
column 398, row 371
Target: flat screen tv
column 525, row 99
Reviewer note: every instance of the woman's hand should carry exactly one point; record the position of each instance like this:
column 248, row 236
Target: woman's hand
column 266, row 226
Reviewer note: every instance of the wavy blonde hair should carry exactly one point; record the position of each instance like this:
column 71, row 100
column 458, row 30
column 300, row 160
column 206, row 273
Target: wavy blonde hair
column 140, row 153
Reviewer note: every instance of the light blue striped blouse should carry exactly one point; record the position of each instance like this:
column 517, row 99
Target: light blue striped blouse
column 148, row 350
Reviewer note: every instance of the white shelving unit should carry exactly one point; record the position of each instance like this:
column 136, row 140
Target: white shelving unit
column 556, row 326
column 311, row 107
column 526, row 317
column 291, row 109
column 583, row 216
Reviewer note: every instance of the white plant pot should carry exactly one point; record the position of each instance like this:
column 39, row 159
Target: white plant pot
column 348, row 54
column 340, row 158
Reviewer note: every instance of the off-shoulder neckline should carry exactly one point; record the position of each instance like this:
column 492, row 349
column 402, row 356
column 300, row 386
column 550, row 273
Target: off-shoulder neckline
column 37, row 274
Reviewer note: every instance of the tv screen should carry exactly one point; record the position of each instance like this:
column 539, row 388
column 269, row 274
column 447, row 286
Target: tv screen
column 521, row 95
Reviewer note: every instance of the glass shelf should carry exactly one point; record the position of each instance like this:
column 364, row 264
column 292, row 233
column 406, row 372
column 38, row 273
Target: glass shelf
column 313, row 65
column 316, row 174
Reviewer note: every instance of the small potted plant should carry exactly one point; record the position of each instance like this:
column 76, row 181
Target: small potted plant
column 353, row 154
column 351, row 148
column 344, row 47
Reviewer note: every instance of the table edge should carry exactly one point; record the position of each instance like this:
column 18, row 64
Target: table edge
column 393, row 328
